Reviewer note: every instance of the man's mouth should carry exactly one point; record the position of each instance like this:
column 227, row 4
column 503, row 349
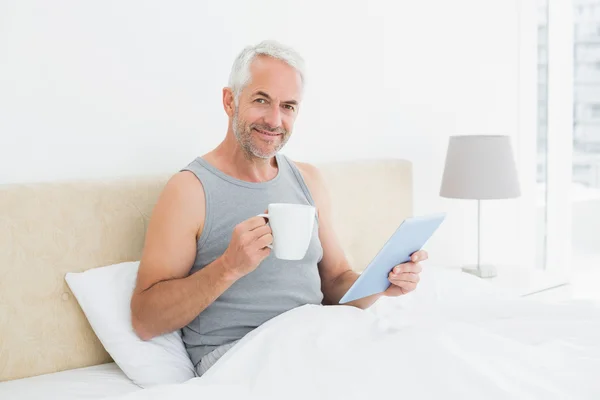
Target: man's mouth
column 267, row 133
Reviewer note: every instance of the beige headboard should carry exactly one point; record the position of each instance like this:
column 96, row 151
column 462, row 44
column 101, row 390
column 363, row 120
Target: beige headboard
column 49, row 229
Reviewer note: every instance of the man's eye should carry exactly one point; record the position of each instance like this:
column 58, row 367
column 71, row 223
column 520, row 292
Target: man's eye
column 290, row 107
column 261, row 101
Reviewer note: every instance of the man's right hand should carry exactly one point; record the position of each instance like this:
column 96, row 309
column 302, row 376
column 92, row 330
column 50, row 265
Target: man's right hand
column 248, row 246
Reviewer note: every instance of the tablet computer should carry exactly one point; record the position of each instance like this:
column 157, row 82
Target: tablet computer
column 410, row 237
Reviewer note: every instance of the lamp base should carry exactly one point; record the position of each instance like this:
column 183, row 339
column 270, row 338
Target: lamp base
column 482, row 271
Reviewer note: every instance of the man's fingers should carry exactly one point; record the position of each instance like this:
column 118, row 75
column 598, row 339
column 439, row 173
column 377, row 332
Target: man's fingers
column 254, row 222
column 261, row 231
column 420, row 255
column 264, row 240
column 407, row 267
column 404, row 285
column 407, row 277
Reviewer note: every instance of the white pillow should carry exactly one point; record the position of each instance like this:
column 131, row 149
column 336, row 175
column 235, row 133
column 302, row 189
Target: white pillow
column 104, row 295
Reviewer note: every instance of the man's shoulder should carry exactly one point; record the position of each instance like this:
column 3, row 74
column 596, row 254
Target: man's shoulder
column 309, row 171
column 314, row 180
column 184, row 189
column 185, row 180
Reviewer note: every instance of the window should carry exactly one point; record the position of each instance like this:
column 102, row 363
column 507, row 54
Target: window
column 561, row 111
column 585, row 187
column 542, row 134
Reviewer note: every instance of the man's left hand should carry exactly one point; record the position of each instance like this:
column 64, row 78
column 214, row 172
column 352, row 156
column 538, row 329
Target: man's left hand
column 405, row 277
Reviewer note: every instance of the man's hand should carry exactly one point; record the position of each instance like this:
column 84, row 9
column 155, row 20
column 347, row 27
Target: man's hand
column 248, row 246
column 405, row 277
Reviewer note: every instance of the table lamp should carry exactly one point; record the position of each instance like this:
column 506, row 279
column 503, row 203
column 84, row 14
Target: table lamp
column 480, row 167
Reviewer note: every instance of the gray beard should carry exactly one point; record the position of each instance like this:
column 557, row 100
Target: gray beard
column 243, row 135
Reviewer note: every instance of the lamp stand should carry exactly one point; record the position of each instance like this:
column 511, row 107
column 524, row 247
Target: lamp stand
column 482, row 271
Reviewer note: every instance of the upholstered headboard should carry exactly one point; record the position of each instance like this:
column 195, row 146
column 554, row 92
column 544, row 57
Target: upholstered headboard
column 49, row 229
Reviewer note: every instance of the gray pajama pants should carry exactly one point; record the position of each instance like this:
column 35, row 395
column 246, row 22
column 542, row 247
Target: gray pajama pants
column 211, row 358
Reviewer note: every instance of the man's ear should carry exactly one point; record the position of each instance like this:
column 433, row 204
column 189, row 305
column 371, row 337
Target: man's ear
column 228, row 101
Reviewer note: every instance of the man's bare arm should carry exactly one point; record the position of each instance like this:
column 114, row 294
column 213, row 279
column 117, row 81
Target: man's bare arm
column 166, row 298
column 336, row 273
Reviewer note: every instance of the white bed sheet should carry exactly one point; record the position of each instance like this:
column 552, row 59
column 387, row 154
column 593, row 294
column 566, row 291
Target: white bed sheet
column 454, row 338
column 82, row 384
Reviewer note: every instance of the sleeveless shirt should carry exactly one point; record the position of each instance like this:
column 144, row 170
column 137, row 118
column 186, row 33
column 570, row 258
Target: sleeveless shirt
column 275, row 286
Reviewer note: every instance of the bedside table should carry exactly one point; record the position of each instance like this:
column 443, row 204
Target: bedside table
column 526, row 282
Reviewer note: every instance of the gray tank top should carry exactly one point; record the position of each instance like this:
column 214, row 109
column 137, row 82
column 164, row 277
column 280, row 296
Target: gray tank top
column 276, row 285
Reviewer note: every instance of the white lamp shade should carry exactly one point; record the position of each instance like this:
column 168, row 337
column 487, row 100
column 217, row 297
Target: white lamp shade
column 480, row 167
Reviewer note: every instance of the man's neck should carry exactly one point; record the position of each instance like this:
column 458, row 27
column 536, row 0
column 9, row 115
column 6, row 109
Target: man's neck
column 231, row 158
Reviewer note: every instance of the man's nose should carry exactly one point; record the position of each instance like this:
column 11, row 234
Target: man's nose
column 273, row 117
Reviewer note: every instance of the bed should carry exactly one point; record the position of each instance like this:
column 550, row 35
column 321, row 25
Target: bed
column 455, row 337
column 95, row 382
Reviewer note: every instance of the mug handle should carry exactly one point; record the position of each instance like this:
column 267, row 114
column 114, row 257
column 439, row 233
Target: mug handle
column 267, row 217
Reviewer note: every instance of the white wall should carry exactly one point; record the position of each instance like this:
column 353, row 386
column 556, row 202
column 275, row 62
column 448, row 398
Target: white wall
column 114, row 88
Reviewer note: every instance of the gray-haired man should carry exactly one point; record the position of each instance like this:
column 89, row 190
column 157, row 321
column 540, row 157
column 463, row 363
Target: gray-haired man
column 206, row 268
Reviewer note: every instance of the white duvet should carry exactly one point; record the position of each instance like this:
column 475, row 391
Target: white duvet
column 453, row 338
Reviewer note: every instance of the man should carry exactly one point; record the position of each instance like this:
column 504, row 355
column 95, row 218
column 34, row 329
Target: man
column 206, row 267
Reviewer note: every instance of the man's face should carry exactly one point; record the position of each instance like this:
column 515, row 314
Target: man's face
column 267, row 107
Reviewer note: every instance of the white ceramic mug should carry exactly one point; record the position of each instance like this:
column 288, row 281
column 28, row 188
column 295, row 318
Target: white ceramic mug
column 292, row 226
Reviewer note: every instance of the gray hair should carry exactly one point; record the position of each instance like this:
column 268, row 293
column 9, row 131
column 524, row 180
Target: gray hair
column 240, row 71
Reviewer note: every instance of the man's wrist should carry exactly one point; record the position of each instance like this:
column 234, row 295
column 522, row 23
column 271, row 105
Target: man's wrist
column 342, row 284
column 226, row 270
column 368, row 301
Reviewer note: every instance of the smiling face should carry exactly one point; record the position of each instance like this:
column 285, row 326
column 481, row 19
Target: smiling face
column 267, row 107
